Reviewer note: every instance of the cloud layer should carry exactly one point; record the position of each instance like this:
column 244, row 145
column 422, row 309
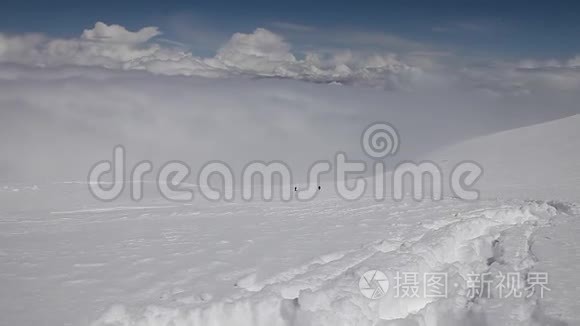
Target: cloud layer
column 261, row 54
column 64, row 103
column 264, row 54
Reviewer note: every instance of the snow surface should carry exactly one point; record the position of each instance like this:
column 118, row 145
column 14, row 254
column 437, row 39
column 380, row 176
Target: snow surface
column 539, row 161
column 67, row 259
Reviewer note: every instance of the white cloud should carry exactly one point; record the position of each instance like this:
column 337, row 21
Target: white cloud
column 261, row 53
column 119, row 34
column 523, row 77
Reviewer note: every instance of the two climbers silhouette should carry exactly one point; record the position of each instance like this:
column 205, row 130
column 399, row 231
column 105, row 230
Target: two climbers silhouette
column 296, row 188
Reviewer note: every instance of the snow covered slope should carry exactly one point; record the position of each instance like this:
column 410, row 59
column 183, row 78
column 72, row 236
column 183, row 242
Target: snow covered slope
column 76, row 261
column 540, row 161
column 253, row 263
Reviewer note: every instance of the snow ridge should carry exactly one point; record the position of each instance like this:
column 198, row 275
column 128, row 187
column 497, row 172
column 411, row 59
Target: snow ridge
column 325, row 291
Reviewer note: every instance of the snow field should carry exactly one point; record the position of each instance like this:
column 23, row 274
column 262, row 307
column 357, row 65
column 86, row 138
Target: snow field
column 325, row 291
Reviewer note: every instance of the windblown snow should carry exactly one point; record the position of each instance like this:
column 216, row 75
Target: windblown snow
column 73, row 261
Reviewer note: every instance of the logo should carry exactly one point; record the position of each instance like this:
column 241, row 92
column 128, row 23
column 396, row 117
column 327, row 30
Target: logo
column 379, row 141
column 373, row 284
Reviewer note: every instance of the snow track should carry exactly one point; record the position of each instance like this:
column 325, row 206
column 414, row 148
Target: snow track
column 325, row 290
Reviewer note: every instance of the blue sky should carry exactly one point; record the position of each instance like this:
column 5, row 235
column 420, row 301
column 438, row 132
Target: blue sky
column 504, row 29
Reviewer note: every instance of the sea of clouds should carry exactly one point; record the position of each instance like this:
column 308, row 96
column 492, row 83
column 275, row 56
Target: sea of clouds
column 65, row 103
